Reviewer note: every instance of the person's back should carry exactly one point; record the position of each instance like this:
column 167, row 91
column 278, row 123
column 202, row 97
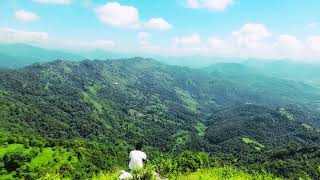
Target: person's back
column 137, row 157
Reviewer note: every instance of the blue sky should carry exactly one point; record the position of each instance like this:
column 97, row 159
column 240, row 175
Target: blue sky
column 228, row 28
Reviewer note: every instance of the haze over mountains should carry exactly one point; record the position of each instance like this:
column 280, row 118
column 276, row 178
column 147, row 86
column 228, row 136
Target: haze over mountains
column 18, row 55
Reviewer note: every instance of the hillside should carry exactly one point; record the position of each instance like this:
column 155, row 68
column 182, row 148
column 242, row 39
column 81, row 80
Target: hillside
column 82, row 117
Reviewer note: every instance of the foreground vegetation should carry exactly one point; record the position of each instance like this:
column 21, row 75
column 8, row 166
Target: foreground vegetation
column 217, row 173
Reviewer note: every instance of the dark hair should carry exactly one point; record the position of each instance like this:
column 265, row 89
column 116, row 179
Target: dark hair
column 139, row 146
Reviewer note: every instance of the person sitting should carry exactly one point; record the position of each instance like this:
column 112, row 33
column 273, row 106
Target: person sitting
column 137, row 157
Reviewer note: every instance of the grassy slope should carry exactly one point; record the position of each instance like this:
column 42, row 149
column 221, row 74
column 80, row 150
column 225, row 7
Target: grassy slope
column 48, row 157
column 217, row 173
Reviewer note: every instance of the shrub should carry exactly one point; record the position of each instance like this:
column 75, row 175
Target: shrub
column 190, row 161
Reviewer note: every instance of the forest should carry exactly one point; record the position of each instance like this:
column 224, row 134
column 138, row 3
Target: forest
column 79, row 120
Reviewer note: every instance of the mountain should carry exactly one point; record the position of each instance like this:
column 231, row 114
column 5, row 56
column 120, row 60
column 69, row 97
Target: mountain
column 19, row 55
column 307, row 72
column 91, row 112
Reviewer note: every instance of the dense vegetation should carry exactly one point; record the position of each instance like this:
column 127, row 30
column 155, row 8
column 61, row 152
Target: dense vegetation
column 78, row 119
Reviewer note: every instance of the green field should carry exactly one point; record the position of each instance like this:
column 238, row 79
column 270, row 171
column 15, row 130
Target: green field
column 201, row 129
column 258, row 146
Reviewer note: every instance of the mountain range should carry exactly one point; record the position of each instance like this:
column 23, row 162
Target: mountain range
column 236, row 112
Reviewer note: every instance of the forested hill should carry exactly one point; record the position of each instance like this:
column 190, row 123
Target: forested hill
column 92, row 112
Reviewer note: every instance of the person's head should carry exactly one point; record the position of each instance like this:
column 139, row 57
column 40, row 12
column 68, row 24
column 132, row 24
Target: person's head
column 139, row 146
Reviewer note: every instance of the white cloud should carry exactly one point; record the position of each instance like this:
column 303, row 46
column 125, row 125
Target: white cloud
column 97, row 44
column 214, row 5
column 251, row 35
column 288, row 42
column 8, row 35
column 287, row 46
column 158, row 23
column 192, row 40
column 194, row 4
column 314, row 43
column 26, row 16
column 115, row 14
column 65, row 2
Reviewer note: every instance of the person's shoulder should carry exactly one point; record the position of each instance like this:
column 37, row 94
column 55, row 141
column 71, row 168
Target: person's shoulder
column 131, row 152
column 143, row 153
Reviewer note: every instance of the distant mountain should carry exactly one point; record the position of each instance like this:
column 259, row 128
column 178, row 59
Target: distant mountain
column 19, row 55
column 297, row 71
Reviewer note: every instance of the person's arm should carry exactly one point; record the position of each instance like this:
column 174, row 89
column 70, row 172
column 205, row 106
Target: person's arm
column 144, row 159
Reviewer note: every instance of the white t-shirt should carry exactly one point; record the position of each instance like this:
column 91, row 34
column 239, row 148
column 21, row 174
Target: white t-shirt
column 136, row 159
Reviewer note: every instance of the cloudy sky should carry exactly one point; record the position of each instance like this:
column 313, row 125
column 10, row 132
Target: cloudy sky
column 219, row 28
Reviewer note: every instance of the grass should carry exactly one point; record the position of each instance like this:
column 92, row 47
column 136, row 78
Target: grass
column 108, row 176
column 47, row 158
column 11, row 148
column 224, row 173
column 218, row 173
column 48, row 155
column 307, row 126
column 286, row 114
column 3, row 93
column 190, row 103
column 201, row 129
column 182, row 137
column 43, row 158
column 8, row 176
column 258, row 146
column 90, row 97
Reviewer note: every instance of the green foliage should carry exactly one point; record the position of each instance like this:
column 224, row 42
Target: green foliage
column 201, row 128
column 189, row 161
column 13, row 161
column 10, row 148
column 78, row 119
column 286, row 114
column 3, row 93
column 90, row 98
column 216, row 173
column 226, row 172
column 166, row 166
column 186, row 98
column 307, row 126
column 182, row 137
column 251, row 141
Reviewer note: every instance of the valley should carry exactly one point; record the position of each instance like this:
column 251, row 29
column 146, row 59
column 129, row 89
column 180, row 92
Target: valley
column 80, row 118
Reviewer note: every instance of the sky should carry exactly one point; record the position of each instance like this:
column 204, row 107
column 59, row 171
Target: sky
column 217, row 28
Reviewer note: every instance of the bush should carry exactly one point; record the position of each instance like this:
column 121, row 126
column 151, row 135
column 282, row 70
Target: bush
column 12, row 161
column 190, row 161
column 147, row 173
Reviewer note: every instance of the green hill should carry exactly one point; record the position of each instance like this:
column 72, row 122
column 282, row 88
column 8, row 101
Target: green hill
column 76, row 119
